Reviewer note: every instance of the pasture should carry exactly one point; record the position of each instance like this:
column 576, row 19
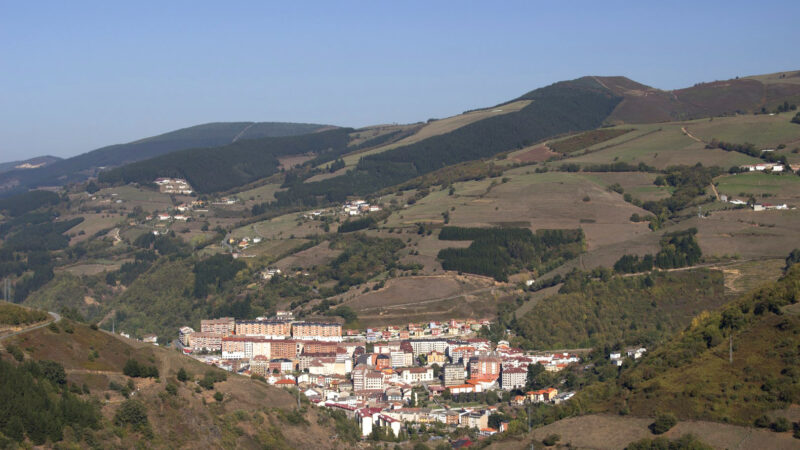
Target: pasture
column 764, row 187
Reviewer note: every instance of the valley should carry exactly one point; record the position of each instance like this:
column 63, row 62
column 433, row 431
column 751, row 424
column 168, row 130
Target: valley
column 596, row 215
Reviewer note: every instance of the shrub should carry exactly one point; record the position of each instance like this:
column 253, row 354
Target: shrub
column 780, row 425
column 218, row 396
column 132, row 412
column 663, row 423
column 551, row 440
column 182, row 375
column 136, row 369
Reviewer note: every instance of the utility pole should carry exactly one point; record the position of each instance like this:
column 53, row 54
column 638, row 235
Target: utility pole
column 730, row 348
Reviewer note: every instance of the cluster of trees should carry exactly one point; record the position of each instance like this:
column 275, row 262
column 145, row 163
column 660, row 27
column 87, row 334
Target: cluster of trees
column 762, row 335
column 135, row 369
column 796, row 118
column 357, row 224
column 362, row 258
column 689, row 183
column 786, row 107
column 130, row 271
column 35, row 403
column 678, row 249
column 499, row 252
column 215, row 270
column 19, row 204
column 211, row 377
column 631, row 310
column 221, row 168
column 17, row 315
column 746, row 148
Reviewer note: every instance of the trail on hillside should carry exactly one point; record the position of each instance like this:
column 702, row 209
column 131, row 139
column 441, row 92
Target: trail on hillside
column 56, row 318
column 691, row 136
column 241, row 133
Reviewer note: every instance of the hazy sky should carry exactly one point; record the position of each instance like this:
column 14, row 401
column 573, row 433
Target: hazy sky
column 79, row 75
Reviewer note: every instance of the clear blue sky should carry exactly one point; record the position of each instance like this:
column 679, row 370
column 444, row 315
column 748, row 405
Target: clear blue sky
column 79, row 75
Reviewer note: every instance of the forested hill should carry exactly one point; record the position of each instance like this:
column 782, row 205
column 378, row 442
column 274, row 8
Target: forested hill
column 731, row 365
column 80, row 167
column 556, row 109
column 221, row 168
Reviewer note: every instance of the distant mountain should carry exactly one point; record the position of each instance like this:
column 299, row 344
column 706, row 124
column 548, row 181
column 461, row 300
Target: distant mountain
column 81, row 167
column 32, row 163
column 216, row 169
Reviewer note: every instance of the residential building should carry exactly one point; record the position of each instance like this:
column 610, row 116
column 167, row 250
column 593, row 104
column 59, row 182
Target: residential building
column 276, row 329
column 513, row 378
column 206, row 341
column 484, row 366
column 317, row 331
column 224, row 326
column 453, row 374
column 184, row 334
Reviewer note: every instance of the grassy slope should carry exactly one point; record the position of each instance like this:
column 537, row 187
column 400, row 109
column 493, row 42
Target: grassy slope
column 248, row 417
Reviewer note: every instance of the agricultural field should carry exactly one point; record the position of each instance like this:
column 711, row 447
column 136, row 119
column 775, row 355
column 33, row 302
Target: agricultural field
column 766, row 188
column 281, row 227
column 260, row 194
column 660, row 146
column 763, row 130
column 745, row 233
column 547, row 200
column 92, row 224
column 426, row 298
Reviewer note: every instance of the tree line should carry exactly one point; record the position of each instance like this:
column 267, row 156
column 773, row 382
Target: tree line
column 499, row 252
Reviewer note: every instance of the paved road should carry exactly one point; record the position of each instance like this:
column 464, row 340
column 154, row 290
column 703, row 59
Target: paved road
column 56, row 318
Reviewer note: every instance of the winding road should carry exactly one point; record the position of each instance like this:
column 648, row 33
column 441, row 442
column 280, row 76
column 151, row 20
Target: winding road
column 56, row 318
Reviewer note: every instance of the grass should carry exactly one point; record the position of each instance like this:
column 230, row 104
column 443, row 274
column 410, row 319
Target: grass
column 260, row 194
column 763, row 130
column 781, row 187
column 587, row 139
column 613, row 432
column 661, row 146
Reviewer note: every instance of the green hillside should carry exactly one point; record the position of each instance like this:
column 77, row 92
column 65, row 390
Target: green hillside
column 80, row 167
column 692, row 375
column 221, row 168
column 70, row 385
column 557, row 109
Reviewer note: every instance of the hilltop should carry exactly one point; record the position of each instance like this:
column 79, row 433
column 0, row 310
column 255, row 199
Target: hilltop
column 83, row 166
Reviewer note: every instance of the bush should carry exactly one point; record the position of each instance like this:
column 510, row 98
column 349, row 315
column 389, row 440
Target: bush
column 780, row 425
column 15, row 352
column 135, row 369
column 551, row 440
column 183, row 376
column 132, row 412
column 218, row 396
column 663, row 423
column 171, row 389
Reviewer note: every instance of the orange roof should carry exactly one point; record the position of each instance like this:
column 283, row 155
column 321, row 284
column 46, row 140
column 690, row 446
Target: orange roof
column 285, row 381
column 489, row 429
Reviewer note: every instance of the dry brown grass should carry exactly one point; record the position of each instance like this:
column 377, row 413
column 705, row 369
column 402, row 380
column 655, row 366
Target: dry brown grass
column 614, row 432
